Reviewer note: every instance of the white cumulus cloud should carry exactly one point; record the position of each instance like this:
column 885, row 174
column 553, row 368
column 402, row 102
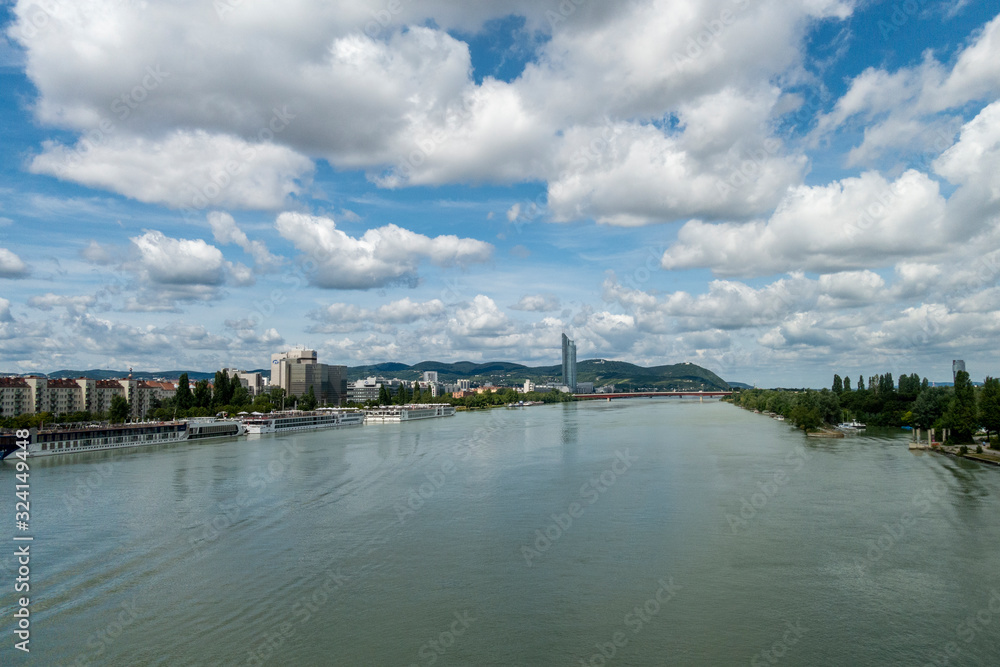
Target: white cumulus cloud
column 12, row 266
column 856, row 223
column 184, row 169
column 226, row 231
column 380, row 257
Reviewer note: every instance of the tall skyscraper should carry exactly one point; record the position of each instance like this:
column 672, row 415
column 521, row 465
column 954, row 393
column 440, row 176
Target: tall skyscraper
column 298, row 369
column 282, row 362
column 956, row 366
column 568, row 362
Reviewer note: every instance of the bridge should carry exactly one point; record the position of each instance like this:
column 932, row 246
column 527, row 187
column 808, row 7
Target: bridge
column 654, row 394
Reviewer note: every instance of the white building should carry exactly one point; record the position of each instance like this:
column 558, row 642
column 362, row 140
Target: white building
column 364, row 390
column 282, row 361
column 298, row 370
column 15, row 396
column 63, row 396
column 255, row 383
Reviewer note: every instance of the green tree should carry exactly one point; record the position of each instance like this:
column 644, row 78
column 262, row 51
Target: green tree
column 241, row 397
column 838, row 384
column 930, row 406
column 989, row 405
column 234, row 386
column 308, row 401
column 383, row 395
column 861, row 383
column 961, row 414
column 222, row 394
column 154, row 405
column 183, row 396
column 202, row 395
column 847, row 383
column 806, row 417
column 262, row 404
column 909, row 386
column 119, row 410
column 828, row 403
column 277, row 397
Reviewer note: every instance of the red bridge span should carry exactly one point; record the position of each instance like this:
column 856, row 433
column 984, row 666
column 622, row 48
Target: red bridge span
column 654, row 394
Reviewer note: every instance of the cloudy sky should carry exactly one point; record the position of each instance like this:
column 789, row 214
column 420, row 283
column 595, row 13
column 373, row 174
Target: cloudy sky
column 775, row 190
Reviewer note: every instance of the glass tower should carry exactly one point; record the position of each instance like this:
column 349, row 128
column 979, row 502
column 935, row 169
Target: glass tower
column 568, row 362
column 956, row 366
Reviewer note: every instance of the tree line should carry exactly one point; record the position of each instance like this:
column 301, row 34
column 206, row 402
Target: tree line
column 225, row 395
column 962, row 409
column 406, row 394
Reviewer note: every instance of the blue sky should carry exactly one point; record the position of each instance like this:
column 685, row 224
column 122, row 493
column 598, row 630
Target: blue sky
column 777, row 191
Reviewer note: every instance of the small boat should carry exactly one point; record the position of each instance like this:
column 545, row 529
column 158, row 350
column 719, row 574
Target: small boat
column 402, row 413
column 853, row 425
column 74, row 438
column 300, row 420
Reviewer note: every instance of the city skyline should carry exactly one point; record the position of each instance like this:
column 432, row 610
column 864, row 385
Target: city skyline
column 774, row 191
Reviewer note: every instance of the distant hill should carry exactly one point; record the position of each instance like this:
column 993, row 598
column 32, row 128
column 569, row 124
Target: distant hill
column 676, row 376
column 740, row 385
column 447, row 372
column 599, row 371
column 467, row 367
column 684, row 376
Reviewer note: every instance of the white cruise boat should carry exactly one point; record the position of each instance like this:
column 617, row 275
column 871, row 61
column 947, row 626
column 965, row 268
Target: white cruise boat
column 76, row 438
column 210, row 427
column 300, row 420
column 853, row 425
column 393, row 414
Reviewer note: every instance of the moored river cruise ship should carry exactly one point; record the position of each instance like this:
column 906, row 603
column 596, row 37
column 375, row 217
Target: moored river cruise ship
column 75, row 438
column 300, row 420
column 393, row 414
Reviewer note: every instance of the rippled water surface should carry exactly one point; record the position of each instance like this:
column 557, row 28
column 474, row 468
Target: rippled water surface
column 636, row 532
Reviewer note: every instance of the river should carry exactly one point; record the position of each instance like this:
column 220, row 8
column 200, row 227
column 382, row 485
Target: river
column 634, row 532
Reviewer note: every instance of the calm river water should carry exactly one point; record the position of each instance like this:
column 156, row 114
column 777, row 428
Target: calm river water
column 638, row 532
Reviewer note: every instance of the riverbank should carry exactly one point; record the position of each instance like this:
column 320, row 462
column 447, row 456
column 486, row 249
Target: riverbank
column 826, row 433
column 986, row 456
